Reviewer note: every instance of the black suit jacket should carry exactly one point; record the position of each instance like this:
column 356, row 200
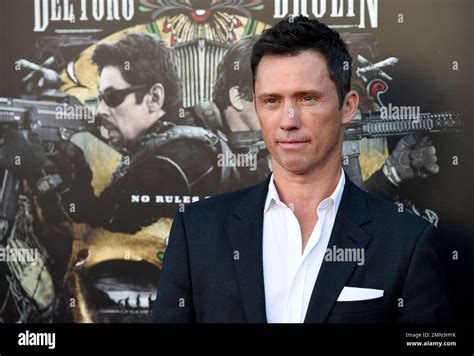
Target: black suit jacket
column 213, row 270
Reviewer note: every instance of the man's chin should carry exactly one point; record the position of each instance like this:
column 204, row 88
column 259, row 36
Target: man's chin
column 116, row 142
column 294, row 165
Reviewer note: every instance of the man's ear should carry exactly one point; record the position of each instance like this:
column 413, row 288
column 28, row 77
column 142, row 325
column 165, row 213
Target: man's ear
column 234, row 98
column 157, row 97
column 349, row 108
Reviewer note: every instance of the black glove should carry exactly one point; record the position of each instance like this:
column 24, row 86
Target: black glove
column 23, row 154
column 71, row 165
column 76, row 177
column 413, row 157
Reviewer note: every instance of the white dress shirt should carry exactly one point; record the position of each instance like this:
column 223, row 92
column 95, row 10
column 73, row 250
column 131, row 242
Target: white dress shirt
column 289, row 275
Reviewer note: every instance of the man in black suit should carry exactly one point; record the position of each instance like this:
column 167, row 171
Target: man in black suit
column 305, row 245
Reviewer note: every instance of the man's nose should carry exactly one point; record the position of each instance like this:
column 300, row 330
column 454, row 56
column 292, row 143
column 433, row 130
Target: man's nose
column 102, row 109
column 289, row 119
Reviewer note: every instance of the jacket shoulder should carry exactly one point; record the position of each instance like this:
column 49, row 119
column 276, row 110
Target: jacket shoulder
column 218, row 206
column 395, row 216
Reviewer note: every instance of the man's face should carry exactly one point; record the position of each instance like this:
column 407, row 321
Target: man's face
column 129, row 120
column 298, row 109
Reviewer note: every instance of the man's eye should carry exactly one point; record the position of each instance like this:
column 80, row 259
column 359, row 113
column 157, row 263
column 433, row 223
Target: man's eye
column 308, row 98
column 270, row 101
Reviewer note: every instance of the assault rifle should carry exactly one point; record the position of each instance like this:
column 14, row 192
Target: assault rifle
column 374, row 124
column 53, row 122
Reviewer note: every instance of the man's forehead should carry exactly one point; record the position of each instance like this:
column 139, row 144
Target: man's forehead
column 306, row 64
column 111, row 77
column 305, row 71
column 307, row 56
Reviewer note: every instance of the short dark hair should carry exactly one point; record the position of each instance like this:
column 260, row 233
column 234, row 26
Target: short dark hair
column 228, row 76
column 151, row 61
column 296, row 34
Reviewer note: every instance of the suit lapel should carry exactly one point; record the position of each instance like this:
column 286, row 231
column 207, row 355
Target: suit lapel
column 245, row 231
column 332, row 277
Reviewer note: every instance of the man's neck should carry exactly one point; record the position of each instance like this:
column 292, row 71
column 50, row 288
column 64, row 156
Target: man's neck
column 154, row 125
column 306, row 190
column 303, row 193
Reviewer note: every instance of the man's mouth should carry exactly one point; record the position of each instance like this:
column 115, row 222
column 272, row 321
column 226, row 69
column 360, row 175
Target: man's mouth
column 112, row 133
column 292, row 144
column 112, row 130
column 109, row 126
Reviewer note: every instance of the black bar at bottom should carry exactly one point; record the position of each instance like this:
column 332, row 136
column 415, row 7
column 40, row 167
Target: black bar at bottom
column 134, row 339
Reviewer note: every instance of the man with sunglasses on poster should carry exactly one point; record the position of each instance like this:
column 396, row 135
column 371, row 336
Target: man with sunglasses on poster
column 163, row 154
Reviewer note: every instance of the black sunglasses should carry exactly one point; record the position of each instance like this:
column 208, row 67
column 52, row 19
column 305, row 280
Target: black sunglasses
column 115, row 97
